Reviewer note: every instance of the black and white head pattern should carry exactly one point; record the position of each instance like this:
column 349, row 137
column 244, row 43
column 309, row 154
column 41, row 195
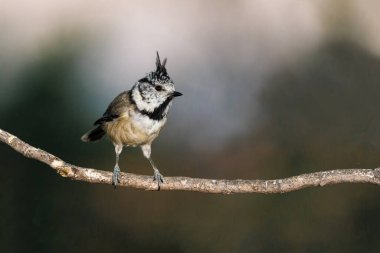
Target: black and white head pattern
column 154, row 93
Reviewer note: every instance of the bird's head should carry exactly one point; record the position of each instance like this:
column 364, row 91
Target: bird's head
column 155, row 89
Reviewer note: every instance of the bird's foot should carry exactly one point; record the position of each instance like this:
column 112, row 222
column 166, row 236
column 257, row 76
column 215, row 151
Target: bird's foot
column 158, row 178
column 116, row 176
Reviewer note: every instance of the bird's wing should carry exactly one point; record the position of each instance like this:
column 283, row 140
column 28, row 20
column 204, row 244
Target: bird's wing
column 116, row 108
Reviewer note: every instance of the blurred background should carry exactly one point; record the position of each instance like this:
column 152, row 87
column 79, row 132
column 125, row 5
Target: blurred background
column 271, row 89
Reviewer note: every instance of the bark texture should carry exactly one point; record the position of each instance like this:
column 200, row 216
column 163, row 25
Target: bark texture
column 371, row 176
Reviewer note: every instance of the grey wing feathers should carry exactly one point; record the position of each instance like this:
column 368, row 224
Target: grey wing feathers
column 118, row 106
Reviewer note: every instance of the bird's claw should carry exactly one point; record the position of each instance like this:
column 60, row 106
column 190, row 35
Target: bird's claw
column 116, row 176
column 158, row 178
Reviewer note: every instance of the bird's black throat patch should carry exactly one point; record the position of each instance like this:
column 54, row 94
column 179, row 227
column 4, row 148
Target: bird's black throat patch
column 158, row 113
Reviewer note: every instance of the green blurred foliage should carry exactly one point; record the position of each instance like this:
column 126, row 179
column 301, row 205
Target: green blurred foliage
column 320, row 113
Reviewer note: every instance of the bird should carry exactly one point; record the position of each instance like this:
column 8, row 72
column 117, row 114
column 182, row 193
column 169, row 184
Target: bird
column 135, row 117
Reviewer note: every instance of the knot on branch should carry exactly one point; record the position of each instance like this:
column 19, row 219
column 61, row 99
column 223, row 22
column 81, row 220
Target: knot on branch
column 66, row 172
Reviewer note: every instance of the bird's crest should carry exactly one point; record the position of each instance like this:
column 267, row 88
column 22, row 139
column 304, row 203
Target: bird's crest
column 160, row 75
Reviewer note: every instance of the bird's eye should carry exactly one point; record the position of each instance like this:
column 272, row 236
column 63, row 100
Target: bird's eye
column 158, row 88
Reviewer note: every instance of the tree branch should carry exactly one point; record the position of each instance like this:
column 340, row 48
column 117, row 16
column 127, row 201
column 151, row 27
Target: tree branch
column 65, row 169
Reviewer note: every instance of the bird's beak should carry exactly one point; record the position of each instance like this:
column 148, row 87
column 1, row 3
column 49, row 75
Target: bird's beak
column 176, row 94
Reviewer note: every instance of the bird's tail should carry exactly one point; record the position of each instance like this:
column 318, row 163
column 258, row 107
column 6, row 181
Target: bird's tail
column 93, row 135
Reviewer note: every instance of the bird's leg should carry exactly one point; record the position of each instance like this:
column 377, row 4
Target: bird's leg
column 146, row 149
column 116, row 169
column 157, row 175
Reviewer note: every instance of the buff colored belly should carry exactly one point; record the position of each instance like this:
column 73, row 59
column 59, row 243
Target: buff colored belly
column 134, row 132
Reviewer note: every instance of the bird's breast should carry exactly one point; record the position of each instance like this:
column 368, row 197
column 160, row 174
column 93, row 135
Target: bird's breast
column 133, row 129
